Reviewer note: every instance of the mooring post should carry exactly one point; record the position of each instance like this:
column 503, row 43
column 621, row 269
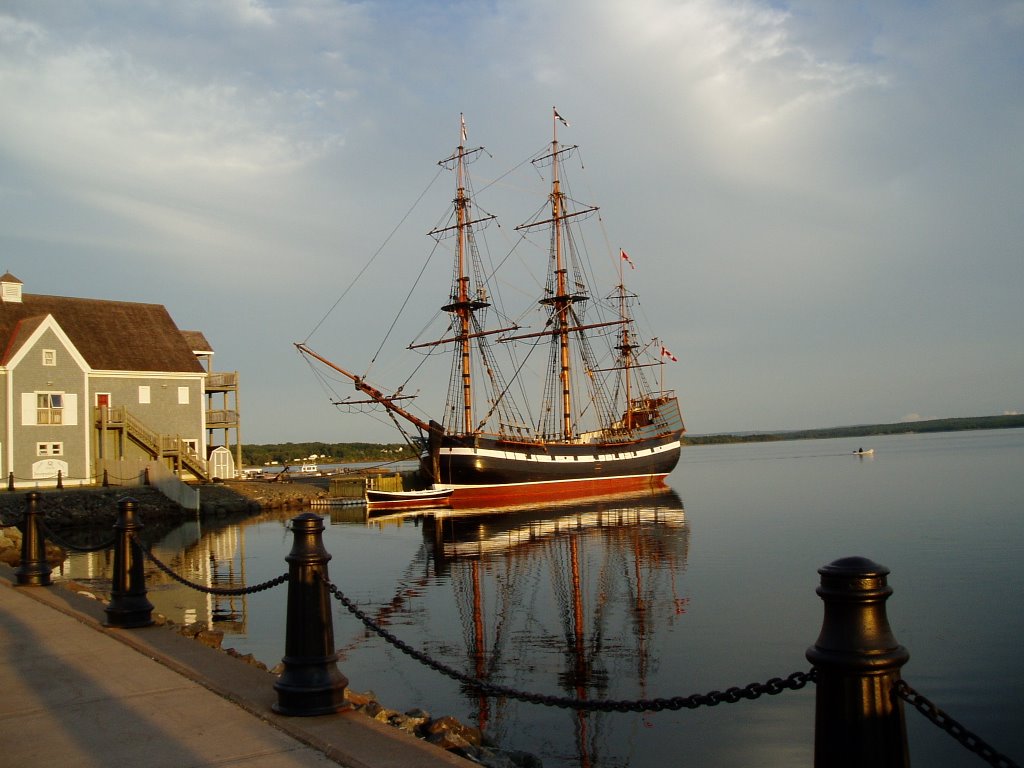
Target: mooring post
column 106, row 479
column 858, row 716
column 129, row 607
column 60, row 480
column 310, row 683
column 34, row 571
column 10, row 481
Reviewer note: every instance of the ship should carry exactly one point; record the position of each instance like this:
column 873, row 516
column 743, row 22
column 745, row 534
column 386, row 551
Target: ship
column 602, row 421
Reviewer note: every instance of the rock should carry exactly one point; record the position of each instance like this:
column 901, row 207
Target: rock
column 408, row 723
column 210, row 637
column 357, row 699
column 449, row 726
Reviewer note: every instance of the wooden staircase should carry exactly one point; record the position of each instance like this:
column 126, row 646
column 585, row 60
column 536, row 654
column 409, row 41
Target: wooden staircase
column 157, row 446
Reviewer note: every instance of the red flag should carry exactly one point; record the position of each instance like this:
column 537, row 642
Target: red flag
column 625, row 258
column 669, row 355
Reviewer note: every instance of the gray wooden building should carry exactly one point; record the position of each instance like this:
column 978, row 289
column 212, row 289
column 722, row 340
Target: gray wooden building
column 87, row 381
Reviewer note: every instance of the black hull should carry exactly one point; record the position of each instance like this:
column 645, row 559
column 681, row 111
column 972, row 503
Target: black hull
column 495, row 462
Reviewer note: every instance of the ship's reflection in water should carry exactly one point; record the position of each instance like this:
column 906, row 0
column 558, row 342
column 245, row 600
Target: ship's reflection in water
column 570, row 600
column 579, row 588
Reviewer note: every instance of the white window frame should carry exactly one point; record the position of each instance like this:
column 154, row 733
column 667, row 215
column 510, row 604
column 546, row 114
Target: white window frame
column 183, row 398
column 145, row 394
column 49, row 357
column 50, row 408
column 49, row 449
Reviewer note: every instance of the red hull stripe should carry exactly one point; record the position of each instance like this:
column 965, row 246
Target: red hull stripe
column 467, row 496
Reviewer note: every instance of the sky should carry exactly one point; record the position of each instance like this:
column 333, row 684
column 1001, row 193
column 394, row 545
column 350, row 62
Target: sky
column 823, row 199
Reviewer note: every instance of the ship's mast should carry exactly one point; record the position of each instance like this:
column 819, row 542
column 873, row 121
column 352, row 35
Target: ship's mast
column 626, row 348
column 462, row 309
column 463, row 303
column 561, row 298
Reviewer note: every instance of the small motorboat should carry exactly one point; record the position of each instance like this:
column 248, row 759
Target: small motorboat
column 864, row 452
column 428, row 499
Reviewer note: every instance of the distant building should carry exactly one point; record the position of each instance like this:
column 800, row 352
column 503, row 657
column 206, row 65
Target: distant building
column 87, row 381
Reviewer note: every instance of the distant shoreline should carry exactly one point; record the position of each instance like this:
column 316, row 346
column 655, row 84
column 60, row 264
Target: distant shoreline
column 864, row 430
column 336, row 453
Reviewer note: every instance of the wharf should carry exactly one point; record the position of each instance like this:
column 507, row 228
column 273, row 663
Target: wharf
column 78, row 693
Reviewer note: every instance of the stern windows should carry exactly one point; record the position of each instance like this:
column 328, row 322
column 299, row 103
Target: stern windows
column 49, row 357
column 49, row 408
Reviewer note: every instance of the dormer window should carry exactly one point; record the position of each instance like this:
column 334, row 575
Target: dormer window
column 49, row 357
column 10, row 288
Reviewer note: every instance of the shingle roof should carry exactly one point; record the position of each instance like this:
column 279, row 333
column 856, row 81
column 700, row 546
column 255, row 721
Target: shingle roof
column 110, row 335
column 197, row 341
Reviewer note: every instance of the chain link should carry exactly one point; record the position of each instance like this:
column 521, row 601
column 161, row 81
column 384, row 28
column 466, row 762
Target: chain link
column 226, row 592
column 774, row 686
column 966, row 738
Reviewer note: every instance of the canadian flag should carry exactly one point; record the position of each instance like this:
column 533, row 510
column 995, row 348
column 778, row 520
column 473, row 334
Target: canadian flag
column 625, row 258
column 669, row 355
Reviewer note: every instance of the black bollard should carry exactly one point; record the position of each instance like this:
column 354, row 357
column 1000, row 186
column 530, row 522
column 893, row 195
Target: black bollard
column 310, row 683
column 129, row 606
column 34, row 570
column 106, row 479
column 858, row 716
column 60, row 480
column 10, row 481
column 145, row 476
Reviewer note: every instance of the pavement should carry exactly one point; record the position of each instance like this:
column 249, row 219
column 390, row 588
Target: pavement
column 76, row 693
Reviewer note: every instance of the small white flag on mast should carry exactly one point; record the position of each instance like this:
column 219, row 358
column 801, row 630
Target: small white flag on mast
column 462, row 124
column 559, row 117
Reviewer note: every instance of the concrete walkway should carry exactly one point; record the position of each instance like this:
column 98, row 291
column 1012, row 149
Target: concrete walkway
column 75, row 693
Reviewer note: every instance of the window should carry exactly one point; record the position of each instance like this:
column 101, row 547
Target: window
column 49, row 357
column 49, row 408
column 144, row 394
column 49, row 449
column 182, row 395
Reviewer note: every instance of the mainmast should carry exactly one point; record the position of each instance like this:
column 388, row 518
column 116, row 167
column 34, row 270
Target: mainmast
column 563, row 320
column 462, row 308
column 561, row 298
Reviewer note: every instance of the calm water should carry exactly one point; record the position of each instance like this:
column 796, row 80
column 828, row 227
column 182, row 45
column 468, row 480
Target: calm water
column 701, row 589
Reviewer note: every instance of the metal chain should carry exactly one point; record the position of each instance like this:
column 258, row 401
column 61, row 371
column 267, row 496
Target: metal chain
column 209, row 590
column 966, row 738
column 774, row 686
column 66, row 545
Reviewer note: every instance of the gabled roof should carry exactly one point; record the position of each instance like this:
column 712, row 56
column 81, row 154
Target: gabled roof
column 110, row 335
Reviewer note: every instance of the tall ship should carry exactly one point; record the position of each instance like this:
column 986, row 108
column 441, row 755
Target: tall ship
column 600, row 421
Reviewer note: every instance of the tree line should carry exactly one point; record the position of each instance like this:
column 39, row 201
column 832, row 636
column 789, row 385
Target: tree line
column 323, row 453
column 339, row 453
column 867, row 430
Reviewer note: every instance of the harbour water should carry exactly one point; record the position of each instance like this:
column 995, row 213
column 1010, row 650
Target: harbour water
column 700, row 589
